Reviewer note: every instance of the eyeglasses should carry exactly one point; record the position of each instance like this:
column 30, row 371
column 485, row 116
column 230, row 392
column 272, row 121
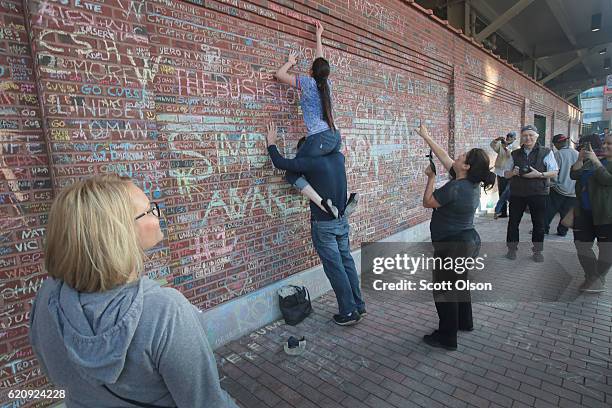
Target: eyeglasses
column 154, row 209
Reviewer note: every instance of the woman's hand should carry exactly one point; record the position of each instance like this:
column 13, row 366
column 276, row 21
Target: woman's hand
column 292, row 59
column 590, row 155
column 271, row 136
column 429, row 172
column 423, row 131
column 319, row 28
column 437, row 150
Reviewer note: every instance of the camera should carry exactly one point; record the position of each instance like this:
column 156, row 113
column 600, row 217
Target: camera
column 524, row 170
column 431, row 162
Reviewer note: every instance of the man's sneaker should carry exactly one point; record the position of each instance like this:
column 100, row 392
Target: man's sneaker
column 433, row 340
column 596, row 286
column 330, row 207
column 537, row 257
column 351, row 204
column 511, row 254
column 584, row 285
column 347, row 320
column 362, row 312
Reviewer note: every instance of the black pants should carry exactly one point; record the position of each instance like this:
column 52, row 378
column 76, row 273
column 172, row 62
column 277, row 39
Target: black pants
column 454, row 307
column 537, row 209
column 584, row 236
column 502, row 182
column 557, row 204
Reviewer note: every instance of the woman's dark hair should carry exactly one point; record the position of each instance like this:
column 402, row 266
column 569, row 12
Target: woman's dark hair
column 479, row 168
column 320, row 73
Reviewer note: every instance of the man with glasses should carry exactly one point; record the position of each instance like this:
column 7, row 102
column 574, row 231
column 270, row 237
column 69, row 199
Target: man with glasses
column 529, row 170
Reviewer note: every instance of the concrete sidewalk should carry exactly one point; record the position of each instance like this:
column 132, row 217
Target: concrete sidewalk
column 521, row 354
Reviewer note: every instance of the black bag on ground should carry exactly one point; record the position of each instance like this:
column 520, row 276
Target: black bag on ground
column 294, row 302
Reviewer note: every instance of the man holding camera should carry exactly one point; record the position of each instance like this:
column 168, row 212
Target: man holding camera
column 503, row 146
column 529, row 170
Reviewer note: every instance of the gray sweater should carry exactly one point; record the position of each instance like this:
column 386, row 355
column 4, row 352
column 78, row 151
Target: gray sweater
column 145, row 342
column 563, row 184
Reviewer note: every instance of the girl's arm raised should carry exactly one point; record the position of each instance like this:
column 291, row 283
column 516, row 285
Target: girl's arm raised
column 319, row 43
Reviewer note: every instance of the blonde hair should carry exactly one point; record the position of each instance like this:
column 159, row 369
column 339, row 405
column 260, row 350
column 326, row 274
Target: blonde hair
column 91, row 241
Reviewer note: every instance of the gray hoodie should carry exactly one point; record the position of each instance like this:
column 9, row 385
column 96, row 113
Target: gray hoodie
column 145, row 342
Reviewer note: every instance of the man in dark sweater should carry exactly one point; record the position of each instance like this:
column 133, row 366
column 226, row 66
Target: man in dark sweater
column 330, row 236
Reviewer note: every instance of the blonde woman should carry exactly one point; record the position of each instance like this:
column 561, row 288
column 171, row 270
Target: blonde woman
column 104, row 333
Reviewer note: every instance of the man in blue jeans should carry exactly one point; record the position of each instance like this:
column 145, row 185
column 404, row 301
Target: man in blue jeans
column 330, row 236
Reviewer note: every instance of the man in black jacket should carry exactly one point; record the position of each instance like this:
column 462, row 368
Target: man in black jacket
column 330, row 236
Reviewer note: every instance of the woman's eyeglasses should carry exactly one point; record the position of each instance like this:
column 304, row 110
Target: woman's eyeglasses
column 154, row 209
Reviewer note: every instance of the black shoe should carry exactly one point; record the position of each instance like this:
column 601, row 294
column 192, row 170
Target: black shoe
column 596, row 285
column 433, row 340
column 537, row 257
column 561, row 234
column 362, row 312
column 347, row 320
column 469, row 329
column 511, row 254
column 351, row 204
column 502, row 216
column 329, row 207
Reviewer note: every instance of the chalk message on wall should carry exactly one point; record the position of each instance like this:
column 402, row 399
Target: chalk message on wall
column 25, row 194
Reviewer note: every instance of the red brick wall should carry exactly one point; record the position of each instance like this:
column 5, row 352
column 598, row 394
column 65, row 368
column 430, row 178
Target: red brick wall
column 177, row 95
column 23, row 207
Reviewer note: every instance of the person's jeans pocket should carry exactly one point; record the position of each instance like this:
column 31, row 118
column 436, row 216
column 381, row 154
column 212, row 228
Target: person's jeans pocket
column 321, row 144
column 330, row 141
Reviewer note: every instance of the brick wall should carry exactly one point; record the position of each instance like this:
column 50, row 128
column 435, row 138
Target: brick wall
column 177, row 94
column 24, row 158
